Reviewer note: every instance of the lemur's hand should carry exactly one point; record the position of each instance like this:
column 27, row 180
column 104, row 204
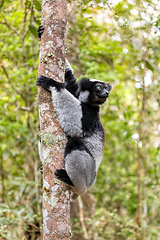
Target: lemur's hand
column 40, row 31
column 47, row 83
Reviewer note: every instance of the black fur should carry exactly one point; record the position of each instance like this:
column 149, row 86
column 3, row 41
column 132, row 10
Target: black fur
column 73, row 144
column 109, row 87
column 46, row 83
column 84, row 84
column 71, row 84
column 40, row 31
column 90, row 120
column 63, row 176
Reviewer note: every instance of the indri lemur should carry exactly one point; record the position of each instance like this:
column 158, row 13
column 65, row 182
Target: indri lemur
column 77, row 106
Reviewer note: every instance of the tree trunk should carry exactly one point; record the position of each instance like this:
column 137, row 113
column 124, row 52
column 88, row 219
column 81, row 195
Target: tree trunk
column 56, row 201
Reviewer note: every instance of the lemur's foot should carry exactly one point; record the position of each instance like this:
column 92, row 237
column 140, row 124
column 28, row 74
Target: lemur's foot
column 41, row 169
column 40, row 31
column 62, row 175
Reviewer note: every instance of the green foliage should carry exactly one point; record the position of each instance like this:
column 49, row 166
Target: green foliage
column 21, row 200
column 123, row 50
column 118, row 44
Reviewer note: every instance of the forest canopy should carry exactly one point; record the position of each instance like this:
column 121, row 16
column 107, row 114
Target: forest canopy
column 114, row 41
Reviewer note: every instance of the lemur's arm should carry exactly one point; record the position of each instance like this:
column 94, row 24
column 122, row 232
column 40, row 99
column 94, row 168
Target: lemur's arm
column 67, row 106
column 70, row 79
column 72, row 85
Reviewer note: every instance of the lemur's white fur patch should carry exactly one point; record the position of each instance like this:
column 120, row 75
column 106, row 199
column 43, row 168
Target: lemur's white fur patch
column 96, row 80
column 68, row 66
column 83, row 97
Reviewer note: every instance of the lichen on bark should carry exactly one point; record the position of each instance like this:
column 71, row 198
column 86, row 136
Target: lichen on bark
column 56, row 202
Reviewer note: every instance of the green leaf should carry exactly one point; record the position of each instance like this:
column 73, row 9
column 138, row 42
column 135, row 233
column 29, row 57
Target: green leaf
column 151, row 66
column 38, row 5
column 33, row 30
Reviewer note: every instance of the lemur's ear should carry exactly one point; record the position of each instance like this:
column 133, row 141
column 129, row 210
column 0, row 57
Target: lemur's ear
column 85, row 84
column 109, row 87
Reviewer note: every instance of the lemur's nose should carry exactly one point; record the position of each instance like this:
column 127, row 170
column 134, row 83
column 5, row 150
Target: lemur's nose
column 105, row 93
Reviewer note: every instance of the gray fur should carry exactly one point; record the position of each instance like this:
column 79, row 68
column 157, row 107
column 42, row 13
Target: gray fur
column 65, row 104
column 83, row 97
column 80, row 167
column 95, row 145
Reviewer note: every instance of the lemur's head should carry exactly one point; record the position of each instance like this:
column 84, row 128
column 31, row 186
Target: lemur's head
column 93, row 92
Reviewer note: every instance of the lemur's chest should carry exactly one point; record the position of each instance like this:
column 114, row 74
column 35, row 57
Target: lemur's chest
column 90, row 120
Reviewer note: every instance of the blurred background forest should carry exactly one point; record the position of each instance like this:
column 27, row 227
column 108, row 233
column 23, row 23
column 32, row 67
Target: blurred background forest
column 114, row 41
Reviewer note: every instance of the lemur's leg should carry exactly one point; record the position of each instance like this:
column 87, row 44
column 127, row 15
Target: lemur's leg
column 62, row 175
column 68, row 107
column 79, row 165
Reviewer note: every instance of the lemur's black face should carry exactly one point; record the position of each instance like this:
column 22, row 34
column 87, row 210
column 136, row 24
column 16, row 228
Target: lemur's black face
column 101, row 92
column 93, row 92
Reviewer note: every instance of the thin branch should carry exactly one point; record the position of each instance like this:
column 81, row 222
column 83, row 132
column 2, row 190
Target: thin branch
column 5, row 35
column 32, row 12
column 114, row 16
column 28, row 109
column 9, row 80
column 24, row 34
column 81, row 217
column 138, row 218
column 9, row 26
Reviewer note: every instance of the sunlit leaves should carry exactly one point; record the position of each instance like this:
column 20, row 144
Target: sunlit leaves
column 19, row 120
column 114, row 52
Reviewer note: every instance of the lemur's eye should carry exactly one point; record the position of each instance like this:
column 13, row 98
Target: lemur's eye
column 98, row 87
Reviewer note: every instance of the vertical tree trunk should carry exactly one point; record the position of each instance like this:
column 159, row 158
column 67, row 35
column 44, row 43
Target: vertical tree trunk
column 56, row 204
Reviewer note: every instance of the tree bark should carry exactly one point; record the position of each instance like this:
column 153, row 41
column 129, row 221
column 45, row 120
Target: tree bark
column 56, row 200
